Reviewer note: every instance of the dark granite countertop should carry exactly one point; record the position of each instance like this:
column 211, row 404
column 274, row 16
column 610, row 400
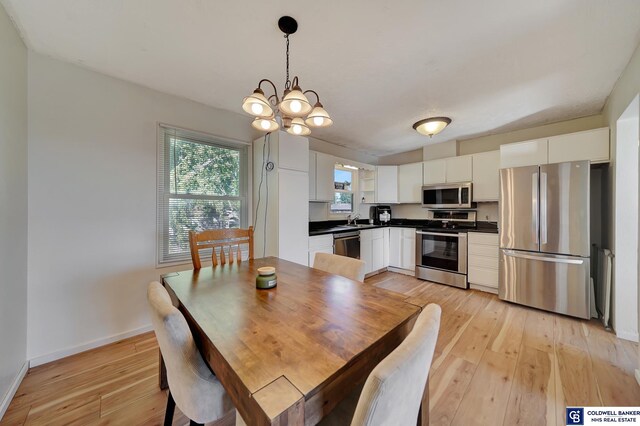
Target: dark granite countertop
column 338, row 226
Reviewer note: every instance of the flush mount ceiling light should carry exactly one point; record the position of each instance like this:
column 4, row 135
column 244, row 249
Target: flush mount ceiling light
column 431, row 126
column 295, row 112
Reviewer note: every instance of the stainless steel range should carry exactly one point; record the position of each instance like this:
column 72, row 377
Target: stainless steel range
column 441, row 247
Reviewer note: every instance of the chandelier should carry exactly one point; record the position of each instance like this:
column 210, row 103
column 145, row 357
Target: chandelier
column 294, row 110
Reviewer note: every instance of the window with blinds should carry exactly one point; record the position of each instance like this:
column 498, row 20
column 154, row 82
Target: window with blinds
column 202, row 184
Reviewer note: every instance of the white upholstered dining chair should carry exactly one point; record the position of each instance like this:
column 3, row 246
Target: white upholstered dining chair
column 192, row 386
column 393, row 391
column 340, row 265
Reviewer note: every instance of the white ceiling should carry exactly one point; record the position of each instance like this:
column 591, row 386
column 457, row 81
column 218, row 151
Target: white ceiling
column 378, row 65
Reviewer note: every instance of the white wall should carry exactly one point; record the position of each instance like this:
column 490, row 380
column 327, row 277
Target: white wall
column 92, row 201
column 13, row 207
column 626, row 217
column 625, row 90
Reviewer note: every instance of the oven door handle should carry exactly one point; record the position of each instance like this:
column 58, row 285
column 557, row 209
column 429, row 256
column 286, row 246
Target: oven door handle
column 442, row 234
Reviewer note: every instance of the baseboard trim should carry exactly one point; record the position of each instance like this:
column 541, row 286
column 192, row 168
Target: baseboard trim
column 402, row 271
column 53, row 356
column 484, row 288
column 627, row 335
column 6, row 400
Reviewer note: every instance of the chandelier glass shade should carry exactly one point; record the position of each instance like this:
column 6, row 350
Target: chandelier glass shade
column 292, row 111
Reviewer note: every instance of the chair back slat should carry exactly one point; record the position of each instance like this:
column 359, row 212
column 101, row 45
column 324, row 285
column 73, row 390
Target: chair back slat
column 220, row 239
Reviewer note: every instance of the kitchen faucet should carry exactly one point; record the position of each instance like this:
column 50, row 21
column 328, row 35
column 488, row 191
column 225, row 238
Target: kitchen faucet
column 351, row 220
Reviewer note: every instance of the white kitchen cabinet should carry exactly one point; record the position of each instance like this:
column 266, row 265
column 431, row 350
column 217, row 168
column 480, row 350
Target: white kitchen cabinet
column 486, row 176
column 528, row 153
column 483, row 255
column 385, row 247
column 402, row 248
column 588, row 145
column 372, row 249
column 447, row 170
column 377, row 249
column 410, row 183
column 293, row 152
column 395, row 244
column 293, row 217
column 366, row 254
column 312, row 175
column 458, row 169
column 408, row 249
column 434, row 171
column 282, row 223
column 387, row 184
column 325, row 166
column 320, row 244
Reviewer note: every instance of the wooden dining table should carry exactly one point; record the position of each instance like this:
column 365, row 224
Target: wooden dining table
column 290, row 354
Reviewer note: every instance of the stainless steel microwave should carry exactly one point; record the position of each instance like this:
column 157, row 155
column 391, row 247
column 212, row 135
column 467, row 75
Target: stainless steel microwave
column 448, row 196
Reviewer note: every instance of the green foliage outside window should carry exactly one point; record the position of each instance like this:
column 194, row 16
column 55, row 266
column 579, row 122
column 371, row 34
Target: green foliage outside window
column 204, row 190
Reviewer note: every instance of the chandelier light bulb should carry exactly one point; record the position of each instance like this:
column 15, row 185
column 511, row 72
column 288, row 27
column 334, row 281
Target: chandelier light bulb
column 297, row 129
column 318, row 121
column 257, row 109
column 295, row 105
column 265, row 124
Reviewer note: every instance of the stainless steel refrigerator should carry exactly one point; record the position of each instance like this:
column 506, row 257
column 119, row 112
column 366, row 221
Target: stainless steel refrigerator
column 544, row 237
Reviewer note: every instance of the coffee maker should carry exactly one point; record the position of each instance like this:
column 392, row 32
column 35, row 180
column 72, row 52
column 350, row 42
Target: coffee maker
column 380, row 214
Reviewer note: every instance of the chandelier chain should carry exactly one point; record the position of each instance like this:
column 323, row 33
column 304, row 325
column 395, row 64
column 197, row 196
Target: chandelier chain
column 287, row 83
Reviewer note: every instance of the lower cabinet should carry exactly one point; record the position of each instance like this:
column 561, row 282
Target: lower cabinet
column 402, row 248
column 372, row 249
column 320, row 244
column 483, row 261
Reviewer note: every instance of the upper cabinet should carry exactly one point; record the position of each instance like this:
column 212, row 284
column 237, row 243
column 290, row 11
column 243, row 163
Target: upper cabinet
column 448, row 170
column 588, row 145
column 486, row 176
column 434, row 171
column 529, row 153
column 321, row 168
column 386, row 184
column 293, row 152
column 459, row 169
column 325, row 166
column 410, row 183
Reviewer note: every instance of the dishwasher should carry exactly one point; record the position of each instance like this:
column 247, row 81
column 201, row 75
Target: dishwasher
column 347, row 244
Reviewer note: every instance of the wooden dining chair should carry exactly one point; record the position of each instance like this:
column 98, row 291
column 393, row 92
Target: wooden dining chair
column 347, row 267
column 192, row 386
column 393, row 392
column 217, row 240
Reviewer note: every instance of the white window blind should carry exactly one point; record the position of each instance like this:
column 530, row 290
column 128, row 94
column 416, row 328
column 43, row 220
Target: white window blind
column 202, row 184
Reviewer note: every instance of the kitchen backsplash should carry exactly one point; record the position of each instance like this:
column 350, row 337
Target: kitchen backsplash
column 486, row 211
column 320, row 211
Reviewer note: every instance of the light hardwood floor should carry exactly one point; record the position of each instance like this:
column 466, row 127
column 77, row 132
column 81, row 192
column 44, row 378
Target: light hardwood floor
column 495, row 363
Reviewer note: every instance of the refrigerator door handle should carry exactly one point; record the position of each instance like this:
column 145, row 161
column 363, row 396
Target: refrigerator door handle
column 460, row 196
column 535, row 213
column 543, row 208
column 512, row 253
